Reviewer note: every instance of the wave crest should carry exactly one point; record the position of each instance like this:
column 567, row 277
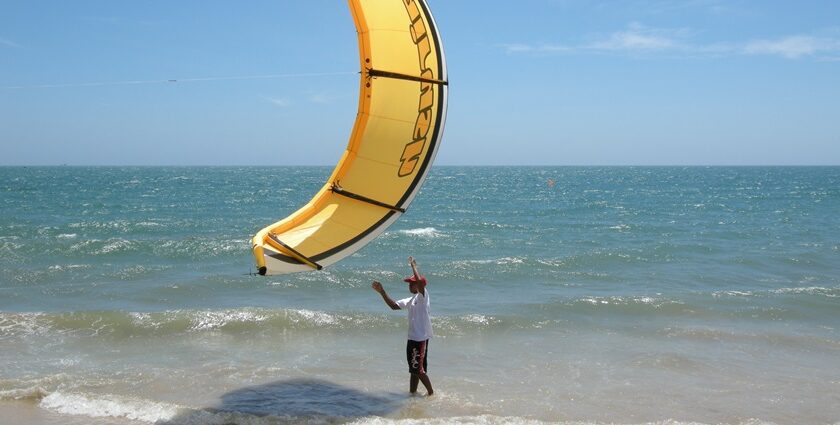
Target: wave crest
column 110, row 406
column 426, row 232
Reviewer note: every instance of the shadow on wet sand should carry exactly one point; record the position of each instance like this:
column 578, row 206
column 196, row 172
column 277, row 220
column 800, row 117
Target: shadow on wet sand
column 292, row 401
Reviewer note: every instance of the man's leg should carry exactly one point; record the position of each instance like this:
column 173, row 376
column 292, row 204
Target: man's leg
column 417, row 363
column 415, row 379
column 426, row 383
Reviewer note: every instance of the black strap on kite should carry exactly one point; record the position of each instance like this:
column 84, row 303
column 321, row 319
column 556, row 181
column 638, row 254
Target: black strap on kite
column 339, row 191
column 389, row 74
column 296, row 255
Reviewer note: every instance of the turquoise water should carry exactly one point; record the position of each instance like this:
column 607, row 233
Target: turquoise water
column 619, row 294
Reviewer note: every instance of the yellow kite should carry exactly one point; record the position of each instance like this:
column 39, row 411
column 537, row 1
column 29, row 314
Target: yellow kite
column 398, row 128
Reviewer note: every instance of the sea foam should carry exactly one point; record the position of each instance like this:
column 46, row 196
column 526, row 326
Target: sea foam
column 426, row 232
column 110, row 406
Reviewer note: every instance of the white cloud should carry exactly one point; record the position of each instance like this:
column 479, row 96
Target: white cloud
column 321, row 98
column 278, row 101
column 792, row 47
column 5, row 42
column 639, row 39
column 634, row 40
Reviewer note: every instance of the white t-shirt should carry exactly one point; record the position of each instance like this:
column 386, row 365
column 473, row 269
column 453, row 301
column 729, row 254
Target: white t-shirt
column 419, row 322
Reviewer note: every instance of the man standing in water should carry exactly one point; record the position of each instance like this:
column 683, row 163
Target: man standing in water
column 419, row 325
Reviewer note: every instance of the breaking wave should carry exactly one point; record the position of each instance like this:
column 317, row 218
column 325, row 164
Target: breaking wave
column 426, row 232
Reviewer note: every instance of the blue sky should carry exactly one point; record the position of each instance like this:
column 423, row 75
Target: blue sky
column 533, row 82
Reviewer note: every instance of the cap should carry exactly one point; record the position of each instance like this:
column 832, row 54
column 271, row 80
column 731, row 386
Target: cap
column 412, row 279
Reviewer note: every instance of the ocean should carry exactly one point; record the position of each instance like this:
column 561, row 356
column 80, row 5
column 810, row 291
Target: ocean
column 572, row 295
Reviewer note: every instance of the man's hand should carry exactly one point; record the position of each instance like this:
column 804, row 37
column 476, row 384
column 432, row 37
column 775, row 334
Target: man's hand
column 377, row 286
column 413, row 265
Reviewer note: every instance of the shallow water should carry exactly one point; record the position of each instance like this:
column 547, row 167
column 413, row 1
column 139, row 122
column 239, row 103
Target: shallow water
column 619, row 295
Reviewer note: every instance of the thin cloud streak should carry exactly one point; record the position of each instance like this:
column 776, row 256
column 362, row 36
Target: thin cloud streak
column 633, row 41
column 5, row 42
column 281, row 102
column 321, row 98
column 793, row 47
column 638, row 39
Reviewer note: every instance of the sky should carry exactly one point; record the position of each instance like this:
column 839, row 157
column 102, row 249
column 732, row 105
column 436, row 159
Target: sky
column 532, row 82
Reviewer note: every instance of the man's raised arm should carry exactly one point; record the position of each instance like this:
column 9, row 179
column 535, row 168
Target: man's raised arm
column 378, row 288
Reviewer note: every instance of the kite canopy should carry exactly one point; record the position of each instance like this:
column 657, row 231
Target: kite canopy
column 402, row 109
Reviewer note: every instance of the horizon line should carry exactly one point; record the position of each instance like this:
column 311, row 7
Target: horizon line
column 439, row 165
